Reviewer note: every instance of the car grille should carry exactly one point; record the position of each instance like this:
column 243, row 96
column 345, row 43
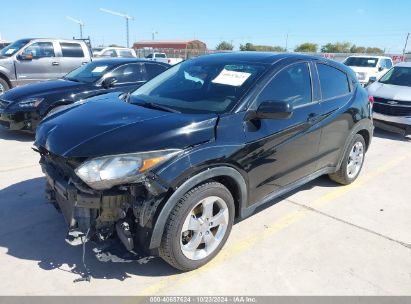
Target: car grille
column 392, row 107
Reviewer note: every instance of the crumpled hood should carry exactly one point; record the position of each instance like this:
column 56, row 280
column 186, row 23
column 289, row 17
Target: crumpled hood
column 389, row 91
column 41, row 89
column 108, row 126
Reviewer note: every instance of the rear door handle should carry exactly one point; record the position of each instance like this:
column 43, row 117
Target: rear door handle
column 313, row 118
column 55, row 63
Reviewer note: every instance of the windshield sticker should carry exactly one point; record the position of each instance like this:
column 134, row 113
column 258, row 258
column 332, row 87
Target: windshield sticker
column 10, row 51
column 99, row 69
column 372, row 61
column 232, row 78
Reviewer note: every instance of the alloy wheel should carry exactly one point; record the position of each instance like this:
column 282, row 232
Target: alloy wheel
column 204, row 228
column 355, row 160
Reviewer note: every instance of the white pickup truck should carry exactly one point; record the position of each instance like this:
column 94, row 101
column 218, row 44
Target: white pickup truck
column 369, row 66
column 162, row 57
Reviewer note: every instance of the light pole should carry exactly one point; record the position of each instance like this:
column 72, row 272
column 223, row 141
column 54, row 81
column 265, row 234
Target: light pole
column 125, row 16
column 80, row 23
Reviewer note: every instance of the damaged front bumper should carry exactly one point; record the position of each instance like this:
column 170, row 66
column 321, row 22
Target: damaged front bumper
column 126, row 211
column 21, row 120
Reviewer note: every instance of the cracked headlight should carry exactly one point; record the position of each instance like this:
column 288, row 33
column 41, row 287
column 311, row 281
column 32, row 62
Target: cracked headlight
column 30, row 102
column 108, row 171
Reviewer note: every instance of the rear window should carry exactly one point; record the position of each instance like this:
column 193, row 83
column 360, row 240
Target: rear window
column 71, row 49
column 333, row 82
column 159, row 55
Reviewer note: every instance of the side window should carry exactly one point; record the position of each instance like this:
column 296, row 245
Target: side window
column 154, row 69
column 125, row 53
column 333, row 81
column 109, row 53
column 128, row 73
column 71, row 49
column 149, row 56
column 292, row 84
column 382, row 63
column 40, row 50
column 388, row 63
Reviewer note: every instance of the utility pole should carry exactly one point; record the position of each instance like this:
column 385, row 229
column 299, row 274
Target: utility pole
column 125, row 16
column 153, row 35
column 286, row 43
column 405, row 47
column 80, row 23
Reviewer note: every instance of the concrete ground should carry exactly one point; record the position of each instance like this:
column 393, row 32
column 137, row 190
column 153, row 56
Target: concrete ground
column 323, row 239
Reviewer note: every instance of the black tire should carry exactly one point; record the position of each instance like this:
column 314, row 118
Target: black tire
column 4, row 86
column 170, row 249
column 341, row 176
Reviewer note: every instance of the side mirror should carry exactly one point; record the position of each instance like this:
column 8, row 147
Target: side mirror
column 109, row 82
column 26, row 56
column 372, row 79
column 380, row 69
column 272, row 110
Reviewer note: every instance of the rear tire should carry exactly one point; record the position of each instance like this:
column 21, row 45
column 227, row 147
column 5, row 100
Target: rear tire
column 352, row 162
column 4, row 86
column 198, row 226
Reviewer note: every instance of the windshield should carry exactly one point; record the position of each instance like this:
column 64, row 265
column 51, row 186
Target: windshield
column 400, row 76
column 88, row 73
column 200, row 86
column 13, row 48
column 366, row 62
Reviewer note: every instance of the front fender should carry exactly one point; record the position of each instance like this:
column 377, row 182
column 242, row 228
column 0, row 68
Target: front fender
column 160, row 223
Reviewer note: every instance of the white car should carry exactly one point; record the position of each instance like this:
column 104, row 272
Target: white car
column 369, row 66
column 162, row 57
column 114, row 52
column 392, row 99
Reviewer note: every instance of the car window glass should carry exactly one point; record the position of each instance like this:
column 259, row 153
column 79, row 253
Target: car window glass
column 109, row 53
column 125, row 53
column 292, row 84
column 400, row 76
column 150, row 56
column 382, row 64
column 71, row 49
column 154, row 69
column 128, row 73
column 333, row 81
column 40, row 50
column 388, row 63
column 160, row 55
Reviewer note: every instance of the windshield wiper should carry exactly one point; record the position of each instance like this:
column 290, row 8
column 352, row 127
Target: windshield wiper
column 156, row 106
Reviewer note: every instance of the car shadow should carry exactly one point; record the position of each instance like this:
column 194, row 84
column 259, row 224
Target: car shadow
column 380, row 133
column 31, row 229
column 15, row 135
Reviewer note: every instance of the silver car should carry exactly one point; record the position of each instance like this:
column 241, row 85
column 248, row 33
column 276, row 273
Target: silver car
column 392, row 99
column 32, row 60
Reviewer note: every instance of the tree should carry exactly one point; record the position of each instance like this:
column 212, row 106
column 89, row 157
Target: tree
column 374, row 50
column 225, row 46
column 307, row 47
column 338, row 47
column 358, row 49
column 247, row 47
column 261, row 48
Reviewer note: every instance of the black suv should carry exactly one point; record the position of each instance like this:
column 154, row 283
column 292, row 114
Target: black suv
column 169, row 167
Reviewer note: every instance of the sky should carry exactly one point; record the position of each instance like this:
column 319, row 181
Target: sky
column 376, row 23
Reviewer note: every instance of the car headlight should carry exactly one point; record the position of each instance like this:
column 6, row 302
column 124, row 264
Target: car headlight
column 30, row 102
column 108, row 171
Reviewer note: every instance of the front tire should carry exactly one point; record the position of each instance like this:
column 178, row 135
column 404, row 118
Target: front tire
column 352, row 162
column 198, row 226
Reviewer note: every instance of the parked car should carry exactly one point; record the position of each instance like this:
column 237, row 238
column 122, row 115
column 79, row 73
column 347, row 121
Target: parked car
column 114, row 52
column 206, row 142
column 32, row 60
column 392, row 99
column 162, row 57
column 369, row 66
column 23, row 108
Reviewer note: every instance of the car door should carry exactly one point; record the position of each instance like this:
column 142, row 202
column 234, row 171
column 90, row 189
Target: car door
column 336, row 92
column 282, row 151
column 72, row 55
column 44, row 65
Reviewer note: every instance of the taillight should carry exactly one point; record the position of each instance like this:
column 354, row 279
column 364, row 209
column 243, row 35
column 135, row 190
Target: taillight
column 371, row 99
column 169, row 60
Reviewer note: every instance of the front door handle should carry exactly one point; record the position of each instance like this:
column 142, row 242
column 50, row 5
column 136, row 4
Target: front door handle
column 313, row 118
column 55, row 63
